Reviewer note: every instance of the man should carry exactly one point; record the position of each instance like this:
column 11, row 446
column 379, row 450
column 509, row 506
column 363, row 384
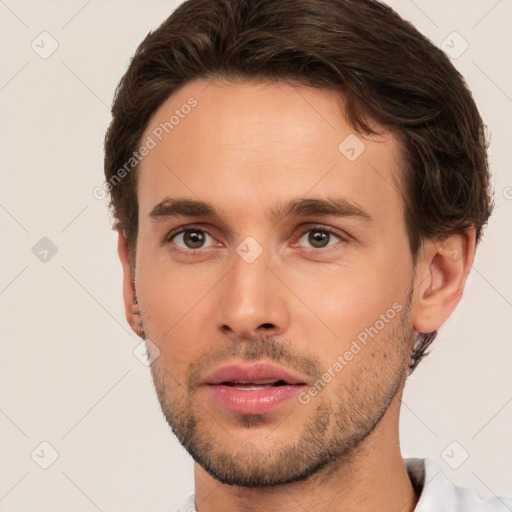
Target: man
column 299, row 188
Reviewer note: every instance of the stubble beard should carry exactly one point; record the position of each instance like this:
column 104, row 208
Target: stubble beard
column 335, row 426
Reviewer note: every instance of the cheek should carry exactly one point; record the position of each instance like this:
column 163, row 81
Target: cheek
column 348, row 300
column 173, row 304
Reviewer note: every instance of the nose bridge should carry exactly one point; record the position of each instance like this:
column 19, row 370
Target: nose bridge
column 248, row 271
column 253, row 299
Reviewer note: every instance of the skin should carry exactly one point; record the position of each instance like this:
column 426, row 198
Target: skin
column 245, row 148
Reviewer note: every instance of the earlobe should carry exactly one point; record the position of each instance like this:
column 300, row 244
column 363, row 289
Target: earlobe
column 131, row 306
column 440, row 278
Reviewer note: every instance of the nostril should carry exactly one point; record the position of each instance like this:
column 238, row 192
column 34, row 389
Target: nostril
column 267, row 326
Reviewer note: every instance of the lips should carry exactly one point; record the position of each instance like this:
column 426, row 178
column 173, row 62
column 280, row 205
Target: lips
column 257, row 373
column 253, row 389
column 255, row 385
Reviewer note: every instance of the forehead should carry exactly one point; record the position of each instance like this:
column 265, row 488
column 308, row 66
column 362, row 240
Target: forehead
column 251, row 144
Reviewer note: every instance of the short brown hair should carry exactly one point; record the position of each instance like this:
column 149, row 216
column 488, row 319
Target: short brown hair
column 384, row 68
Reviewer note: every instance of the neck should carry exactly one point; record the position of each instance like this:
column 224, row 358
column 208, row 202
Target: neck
column 372, row 477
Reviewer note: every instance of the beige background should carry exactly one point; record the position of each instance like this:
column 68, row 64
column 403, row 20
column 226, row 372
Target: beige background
column 68, row 374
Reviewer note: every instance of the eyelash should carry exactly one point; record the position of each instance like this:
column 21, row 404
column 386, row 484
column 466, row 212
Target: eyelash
column 324, row 229
column 185, row 229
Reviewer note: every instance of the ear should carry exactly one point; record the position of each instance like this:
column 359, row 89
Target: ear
column 440, row 277
column 131, row 307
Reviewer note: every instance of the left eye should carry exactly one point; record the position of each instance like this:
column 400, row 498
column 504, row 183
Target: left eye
column 318, row 238
column 192, row 239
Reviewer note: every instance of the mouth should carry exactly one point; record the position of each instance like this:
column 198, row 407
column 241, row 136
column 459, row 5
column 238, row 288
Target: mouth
column 256, row 374
column 253, row 389
column 251, row 386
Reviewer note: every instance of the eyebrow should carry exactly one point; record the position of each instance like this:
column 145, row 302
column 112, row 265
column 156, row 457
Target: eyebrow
column 337, row 207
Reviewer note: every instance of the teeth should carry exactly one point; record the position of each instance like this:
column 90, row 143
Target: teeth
column 252, row 387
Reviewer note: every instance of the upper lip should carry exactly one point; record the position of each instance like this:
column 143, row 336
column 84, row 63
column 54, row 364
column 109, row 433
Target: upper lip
column 256, row 373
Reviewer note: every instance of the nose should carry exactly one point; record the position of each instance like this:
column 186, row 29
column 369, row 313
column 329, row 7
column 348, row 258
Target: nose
column 253, row 301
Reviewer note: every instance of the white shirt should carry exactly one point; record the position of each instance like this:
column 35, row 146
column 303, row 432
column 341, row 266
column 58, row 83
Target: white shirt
column 437, row 494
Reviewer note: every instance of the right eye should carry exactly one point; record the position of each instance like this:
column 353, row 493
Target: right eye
column 192, row 239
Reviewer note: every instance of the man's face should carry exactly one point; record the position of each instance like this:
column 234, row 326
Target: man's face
column 299, row 260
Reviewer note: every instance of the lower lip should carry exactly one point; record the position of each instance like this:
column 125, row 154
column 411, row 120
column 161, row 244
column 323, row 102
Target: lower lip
column 254, row 401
